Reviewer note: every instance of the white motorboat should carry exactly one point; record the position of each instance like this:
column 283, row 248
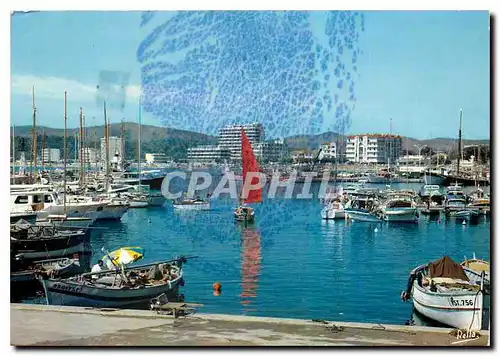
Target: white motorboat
column 333, row 209
column 192, row 204
column 451, row 294
column 400, row 207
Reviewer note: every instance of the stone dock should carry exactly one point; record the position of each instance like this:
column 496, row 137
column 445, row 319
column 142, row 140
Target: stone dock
column 41, row 325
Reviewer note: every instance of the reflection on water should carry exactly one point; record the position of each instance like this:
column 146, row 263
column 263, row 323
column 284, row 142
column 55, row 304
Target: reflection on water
column 250, row 265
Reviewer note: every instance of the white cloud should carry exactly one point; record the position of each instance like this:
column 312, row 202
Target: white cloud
column 54, row 87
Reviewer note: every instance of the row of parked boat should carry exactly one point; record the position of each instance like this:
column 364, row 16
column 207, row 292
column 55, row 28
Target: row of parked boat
column 360, row 203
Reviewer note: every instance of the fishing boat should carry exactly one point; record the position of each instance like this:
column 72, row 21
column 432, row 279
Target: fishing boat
column 399, row 207
column 477, row 265
column 244, row 213
column 39, row 242
column 451, row 294
column 29, row 216
column 121, row 287
column 56, row 267
column 191, row 204
column 480, row 201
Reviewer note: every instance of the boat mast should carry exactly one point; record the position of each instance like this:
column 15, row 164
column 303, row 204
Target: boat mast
column 81, row 148
column 139, row 148
column 34, row 139
column 43, row 149
column 95, row 147
column 13, row 154
column 122, row 156
column 65, row 145
column 106, row 139
column 459, row 143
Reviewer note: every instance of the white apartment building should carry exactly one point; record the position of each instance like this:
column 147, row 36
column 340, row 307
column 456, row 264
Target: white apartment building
column 328, row 150
column 230, row 137
column 272, row 151
column 90, row 155
column 373, row 148
column 115, row 148
column 156, row 158
column 208, row 153
column 52, row 155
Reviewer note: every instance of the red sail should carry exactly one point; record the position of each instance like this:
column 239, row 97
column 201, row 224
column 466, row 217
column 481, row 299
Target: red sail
column 249, row 165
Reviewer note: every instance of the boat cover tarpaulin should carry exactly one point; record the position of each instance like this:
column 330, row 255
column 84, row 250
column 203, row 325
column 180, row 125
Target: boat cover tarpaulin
column 446, row 267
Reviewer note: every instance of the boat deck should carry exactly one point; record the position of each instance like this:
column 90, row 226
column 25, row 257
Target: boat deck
column 41, row 325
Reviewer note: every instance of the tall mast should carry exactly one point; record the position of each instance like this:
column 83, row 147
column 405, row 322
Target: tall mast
column 139, row 149
column 13, row 154
column 65, row 145
column 34, row 140
column 43, row 149
column 459, row 143
column 106, row 139
column 95, row 147
column 81, row 147
column 123, row 144
column 76, row 146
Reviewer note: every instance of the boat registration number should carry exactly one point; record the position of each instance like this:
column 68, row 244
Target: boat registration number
column 461, row 302
column 67, row 288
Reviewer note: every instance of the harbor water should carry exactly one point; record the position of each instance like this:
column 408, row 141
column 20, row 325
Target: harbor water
column 290, row 263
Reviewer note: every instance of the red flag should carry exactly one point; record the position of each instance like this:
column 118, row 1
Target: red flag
column 249, row 164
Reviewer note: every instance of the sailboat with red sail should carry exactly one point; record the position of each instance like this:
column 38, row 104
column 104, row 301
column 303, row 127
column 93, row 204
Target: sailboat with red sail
column 250, row 165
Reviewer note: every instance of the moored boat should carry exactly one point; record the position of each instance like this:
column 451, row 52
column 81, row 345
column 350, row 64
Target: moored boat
column 451, row 294
column 399, row 208
column 128, row 286
column 191, row 204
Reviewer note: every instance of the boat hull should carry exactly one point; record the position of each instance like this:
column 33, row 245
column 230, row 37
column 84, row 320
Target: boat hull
column 400, row 215
column 432, row 179
column 113, row 212
column 456, row 310
column 156, row 200
column 60, row 292
column 203, row 206
column 137, row 204
column 331, row 214
column 361, row 216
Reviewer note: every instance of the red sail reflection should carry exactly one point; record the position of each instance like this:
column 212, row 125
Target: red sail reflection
column 250, row 265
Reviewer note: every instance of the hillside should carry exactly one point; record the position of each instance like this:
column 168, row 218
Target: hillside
column 175, row 142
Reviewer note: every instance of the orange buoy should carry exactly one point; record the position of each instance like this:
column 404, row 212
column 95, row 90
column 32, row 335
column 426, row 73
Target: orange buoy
column 217, row 287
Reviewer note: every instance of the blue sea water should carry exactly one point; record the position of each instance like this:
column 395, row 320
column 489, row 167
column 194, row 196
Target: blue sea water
column 290, row 263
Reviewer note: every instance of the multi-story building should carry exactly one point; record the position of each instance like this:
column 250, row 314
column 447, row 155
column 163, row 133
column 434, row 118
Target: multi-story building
column 52, row 155
column 115, row 148
column 230, row 137
column 328, row 150
column 302, row 156
column 270, row 151
column 156, row 158
column 208, row 153
column 373, row 148
column 90, row 155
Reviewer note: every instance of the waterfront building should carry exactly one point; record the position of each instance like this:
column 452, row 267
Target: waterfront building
column 230, row 137
column 373, row 148
column 302, row 156
column 328, row 150
column 270, row 151
column 208, row 153
column 52, row 155
column 115, row 148
column 152, row 158
column 90, row 155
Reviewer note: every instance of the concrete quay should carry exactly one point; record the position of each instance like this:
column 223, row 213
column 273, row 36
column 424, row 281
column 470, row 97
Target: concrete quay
column 42, row 325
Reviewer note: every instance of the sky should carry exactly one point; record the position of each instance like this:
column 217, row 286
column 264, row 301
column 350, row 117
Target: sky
column 416, row 68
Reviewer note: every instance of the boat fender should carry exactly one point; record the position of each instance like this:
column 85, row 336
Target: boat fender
column 169, row 285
